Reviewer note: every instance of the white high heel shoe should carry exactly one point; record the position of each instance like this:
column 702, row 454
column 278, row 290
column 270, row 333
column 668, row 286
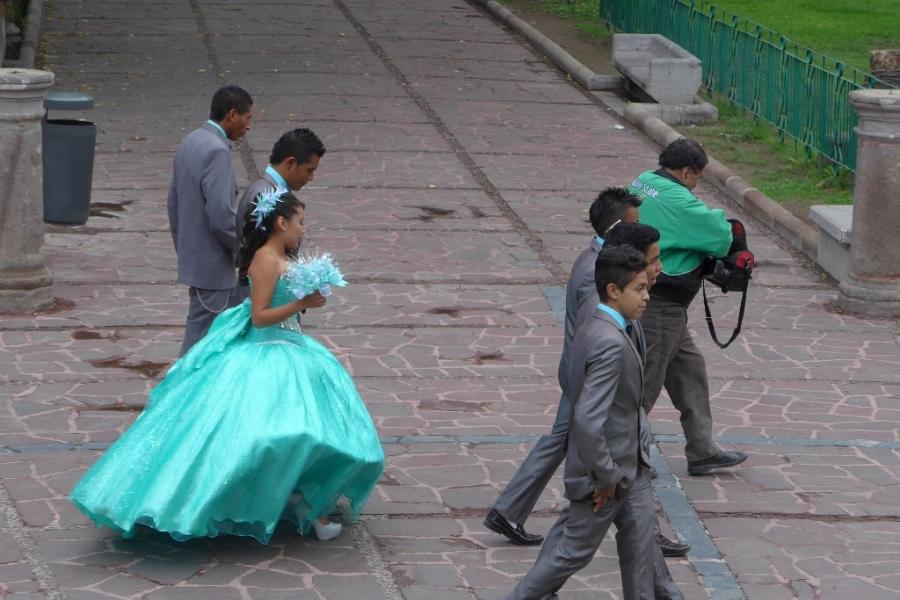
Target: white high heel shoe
column 326, row 532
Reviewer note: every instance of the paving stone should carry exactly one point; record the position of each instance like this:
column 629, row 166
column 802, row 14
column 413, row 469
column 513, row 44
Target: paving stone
column 271, row 580
column 404, row 170
column 846, row 493
column 9, row 549
column 418, row 68
column 435, row 593
column 191, row 593
column 265, row 594
column 345, row 588
column 456, row 49
column 343, row 137
column 792, row 560
column 445, row 326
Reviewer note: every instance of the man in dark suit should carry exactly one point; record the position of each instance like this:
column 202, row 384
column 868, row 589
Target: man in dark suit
column 292, row 164
column 607, row 471
column 202, row 211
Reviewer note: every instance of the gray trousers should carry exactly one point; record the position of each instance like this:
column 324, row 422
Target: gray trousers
column 241, row 293
column 522, row 492
column 204, row 307
column 674, row 361
column 572, row 542
column 518, row 498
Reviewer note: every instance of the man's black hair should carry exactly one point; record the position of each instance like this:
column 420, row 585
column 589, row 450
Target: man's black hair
column 636, row 235
column 683, row 153
column 617, row 265
column 610, row 206
column 299, row 143
column 226, row 98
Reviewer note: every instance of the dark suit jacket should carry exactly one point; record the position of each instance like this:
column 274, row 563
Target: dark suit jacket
column 605, row 448
column 202, row 210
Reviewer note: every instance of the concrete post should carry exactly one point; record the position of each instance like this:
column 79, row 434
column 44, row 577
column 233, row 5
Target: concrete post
column 873, row 285
column 25, row 282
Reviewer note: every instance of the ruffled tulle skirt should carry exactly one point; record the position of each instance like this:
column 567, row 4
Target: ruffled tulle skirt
column 251, row 426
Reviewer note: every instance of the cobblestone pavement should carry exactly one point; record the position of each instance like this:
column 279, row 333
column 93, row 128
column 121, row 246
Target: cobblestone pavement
column 454, row 191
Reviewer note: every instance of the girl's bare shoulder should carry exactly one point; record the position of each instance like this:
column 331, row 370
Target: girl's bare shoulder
column 265, row 263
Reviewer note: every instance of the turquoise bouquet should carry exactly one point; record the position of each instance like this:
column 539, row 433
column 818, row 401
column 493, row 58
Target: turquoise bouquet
column 311, row 272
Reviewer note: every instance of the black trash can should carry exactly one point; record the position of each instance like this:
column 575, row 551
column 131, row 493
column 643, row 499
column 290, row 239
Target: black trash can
column 68, row 157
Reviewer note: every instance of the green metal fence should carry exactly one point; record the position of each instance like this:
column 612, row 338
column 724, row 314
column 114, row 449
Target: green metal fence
column 803, row 93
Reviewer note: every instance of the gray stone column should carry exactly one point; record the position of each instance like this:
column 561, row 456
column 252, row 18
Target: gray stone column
column 873, row 286
column 25, row 282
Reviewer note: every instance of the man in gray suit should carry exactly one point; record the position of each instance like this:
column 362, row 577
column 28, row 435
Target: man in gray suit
column 202, row 211
column 292, row 164
column 607, row 470
column 508, row 514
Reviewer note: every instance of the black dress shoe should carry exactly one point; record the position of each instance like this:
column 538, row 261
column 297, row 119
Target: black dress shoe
column 517, row 535
column 721, row 460
column 671, row 548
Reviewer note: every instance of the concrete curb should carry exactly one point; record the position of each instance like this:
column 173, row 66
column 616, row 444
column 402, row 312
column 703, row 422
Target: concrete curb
column 777, row 218
column 548, row 47
column 30, row 36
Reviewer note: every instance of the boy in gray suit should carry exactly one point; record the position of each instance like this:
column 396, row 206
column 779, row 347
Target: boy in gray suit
column 292, row 164
column 509, row 512
column 202, row 211
column 607, row 470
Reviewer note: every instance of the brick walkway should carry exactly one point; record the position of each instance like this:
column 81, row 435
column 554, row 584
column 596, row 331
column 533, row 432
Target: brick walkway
column 454, row 192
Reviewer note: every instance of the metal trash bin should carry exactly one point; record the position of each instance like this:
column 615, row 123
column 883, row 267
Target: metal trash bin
column 68, row 157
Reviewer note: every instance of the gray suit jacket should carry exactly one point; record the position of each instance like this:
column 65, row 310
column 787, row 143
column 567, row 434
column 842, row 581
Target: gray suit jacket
column 202, row 210
column 586, row 312
column 604, row 433
column 581, row 284
column 264, row 184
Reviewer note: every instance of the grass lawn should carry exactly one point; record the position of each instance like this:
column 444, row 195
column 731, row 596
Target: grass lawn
column 584, row 13
column 843, row 29
column 782, row 171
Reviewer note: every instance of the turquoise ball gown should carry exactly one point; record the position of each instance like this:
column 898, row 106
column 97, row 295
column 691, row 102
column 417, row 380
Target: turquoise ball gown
column 251, row 426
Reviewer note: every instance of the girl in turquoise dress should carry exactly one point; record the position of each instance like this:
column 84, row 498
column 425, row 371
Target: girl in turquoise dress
column 256, row 423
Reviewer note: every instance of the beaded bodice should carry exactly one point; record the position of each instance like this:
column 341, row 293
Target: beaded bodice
column 282, row 295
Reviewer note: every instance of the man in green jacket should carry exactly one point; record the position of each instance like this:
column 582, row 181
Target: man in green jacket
column 689, row 231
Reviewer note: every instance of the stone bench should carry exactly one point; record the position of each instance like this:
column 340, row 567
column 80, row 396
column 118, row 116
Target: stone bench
column 662, row 69
column 835, row 235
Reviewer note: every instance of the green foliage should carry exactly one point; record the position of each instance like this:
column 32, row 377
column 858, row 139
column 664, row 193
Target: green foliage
column 585, row 13
column 783, row 170
column 17, row 12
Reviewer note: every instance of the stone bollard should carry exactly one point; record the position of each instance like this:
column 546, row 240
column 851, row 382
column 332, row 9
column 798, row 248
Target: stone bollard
column 25, row 282
column 873, row 285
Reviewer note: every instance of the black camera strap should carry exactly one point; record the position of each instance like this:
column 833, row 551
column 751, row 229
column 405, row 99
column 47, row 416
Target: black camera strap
column 740, row 321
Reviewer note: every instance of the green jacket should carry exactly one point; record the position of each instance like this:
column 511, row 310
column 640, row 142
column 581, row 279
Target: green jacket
column 688, row 229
